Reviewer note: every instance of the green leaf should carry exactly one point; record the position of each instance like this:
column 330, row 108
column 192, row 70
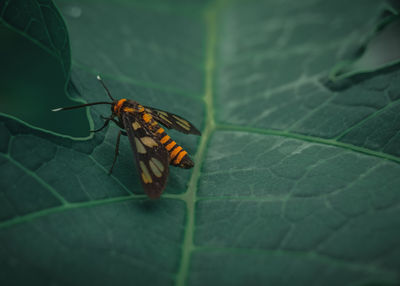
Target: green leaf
column 35, row 65
column 381, row 51
column 40, row 22
column 294, row 184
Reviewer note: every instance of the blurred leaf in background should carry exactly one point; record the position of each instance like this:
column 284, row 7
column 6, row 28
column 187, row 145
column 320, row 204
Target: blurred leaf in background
column 35, row 65
column 295, row 183
column 380, row 51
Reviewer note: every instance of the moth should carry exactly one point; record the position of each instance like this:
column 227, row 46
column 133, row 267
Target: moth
column 154, row 150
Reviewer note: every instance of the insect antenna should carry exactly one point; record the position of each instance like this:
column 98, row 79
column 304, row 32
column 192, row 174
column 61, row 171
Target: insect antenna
column 102, row 83
column 79, row 106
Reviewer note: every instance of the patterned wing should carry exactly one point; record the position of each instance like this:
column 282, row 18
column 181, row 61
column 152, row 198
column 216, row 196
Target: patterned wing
column 151, row 156
column 173, row 121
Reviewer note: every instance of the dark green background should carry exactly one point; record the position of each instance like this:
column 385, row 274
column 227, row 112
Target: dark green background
column 296, row 179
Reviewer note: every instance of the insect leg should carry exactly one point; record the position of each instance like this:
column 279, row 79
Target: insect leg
column 118, row 123
column 108, row 119
column 104, row 125
column 116, row 152
column 117, row 149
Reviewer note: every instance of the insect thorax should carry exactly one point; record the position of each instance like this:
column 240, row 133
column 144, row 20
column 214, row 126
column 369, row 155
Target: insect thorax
column 126, row 106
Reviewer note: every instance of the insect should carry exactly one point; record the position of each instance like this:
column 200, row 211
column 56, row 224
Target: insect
column 154, row 150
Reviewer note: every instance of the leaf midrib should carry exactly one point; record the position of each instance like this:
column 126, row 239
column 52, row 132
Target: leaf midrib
column 210, row 17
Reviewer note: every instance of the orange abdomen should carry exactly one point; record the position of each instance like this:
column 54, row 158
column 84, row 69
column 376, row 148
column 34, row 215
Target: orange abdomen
column 177, row 155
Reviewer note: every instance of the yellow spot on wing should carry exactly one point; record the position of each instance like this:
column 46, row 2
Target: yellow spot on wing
column 181, row 120
column 165, row 118
column 148, row 141
column 139, row 146
column 158, row 164
column 155, row 169
column 183, row 125
column 145, row 173
column 136, row 125
column 160, row 130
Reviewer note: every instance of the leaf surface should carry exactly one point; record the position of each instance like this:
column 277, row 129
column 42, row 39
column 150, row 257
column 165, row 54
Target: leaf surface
column 293, row 184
